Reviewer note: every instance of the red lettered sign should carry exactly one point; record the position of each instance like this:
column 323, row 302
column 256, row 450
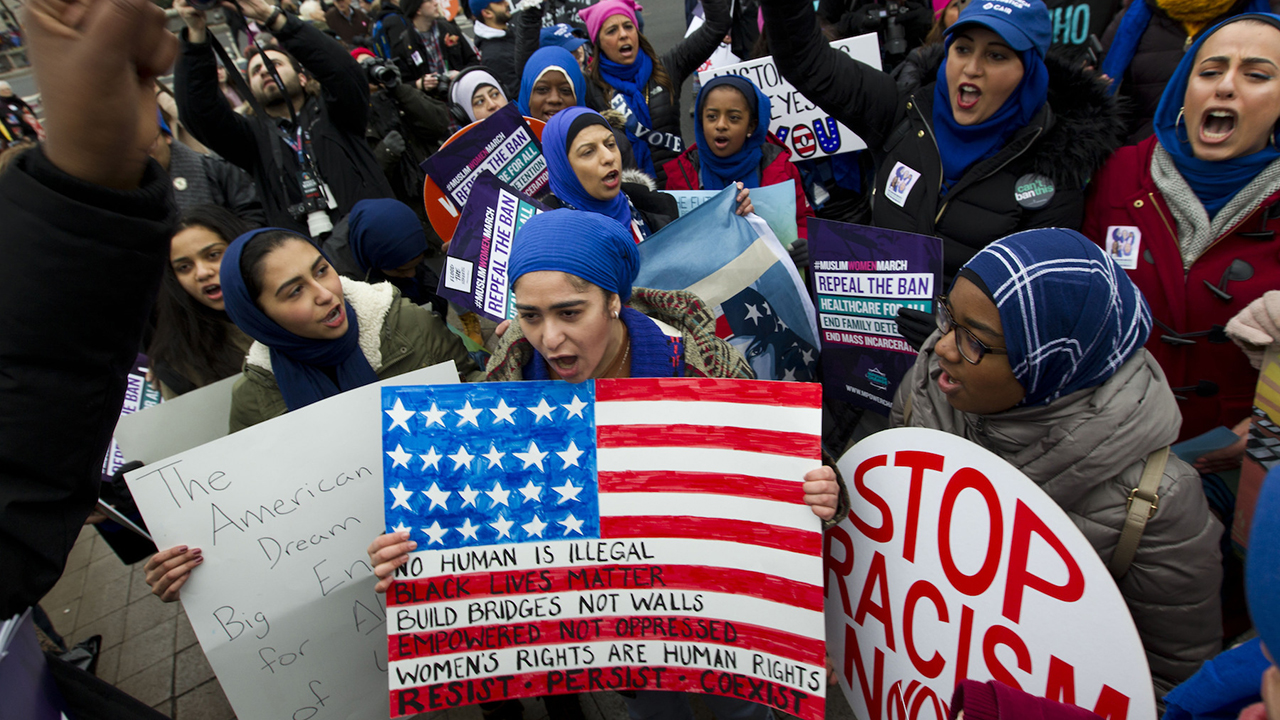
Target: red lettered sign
column 954, row 565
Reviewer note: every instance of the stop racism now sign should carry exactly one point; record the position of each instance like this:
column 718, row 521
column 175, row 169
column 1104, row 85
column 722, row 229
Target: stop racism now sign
column 954, row 565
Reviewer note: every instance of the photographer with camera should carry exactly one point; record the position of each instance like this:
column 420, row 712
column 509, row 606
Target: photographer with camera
column 901, row 24
column 304, row 144
column 429, row 50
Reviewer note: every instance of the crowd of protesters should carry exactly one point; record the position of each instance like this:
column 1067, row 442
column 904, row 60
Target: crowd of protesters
column 264, row 218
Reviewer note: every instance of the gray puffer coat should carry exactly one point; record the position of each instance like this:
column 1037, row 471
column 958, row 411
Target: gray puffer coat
column 1087, row 451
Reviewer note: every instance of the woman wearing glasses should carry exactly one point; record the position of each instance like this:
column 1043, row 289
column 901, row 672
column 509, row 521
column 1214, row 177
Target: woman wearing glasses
column 1038, row 357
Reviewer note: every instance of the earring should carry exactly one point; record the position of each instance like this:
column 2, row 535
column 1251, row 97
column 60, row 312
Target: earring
column 1184, row 138
column 615, row 314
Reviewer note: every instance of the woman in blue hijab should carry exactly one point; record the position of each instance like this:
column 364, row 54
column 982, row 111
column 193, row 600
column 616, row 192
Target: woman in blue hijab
column 550, row 82
column 1189, row 213
column 1037, row 356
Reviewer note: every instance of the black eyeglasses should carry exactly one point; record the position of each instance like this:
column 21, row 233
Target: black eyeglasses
column 971, row 348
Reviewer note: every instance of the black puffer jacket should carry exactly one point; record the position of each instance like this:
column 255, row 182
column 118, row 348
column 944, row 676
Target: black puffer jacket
column 680, row 62
column 1066, row 142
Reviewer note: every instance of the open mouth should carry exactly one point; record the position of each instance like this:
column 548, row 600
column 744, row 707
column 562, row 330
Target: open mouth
column 566, row 366
column 335, row 317
column 720, row 142
column 212, row 291
column 1217, row 126
column 626, row 49
column 611, row 179
column 967, row 96
column 948, row 384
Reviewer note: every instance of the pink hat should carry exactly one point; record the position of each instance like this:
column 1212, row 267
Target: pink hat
column 595, row 15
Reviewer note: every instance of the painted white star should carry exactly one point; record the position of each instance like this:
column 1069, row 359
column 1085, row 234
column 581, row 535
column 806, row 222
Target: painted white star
column 438, row 497
column 503, row 526
column 532, row 457
column 568, row 493
column 469, row 415
column 503, row 413
column 493, row 456
column 571, row 524
column 402, row 497
column 468, row 496
column 570, row 456
column 434, row 415
column 468, row 530
column 498, row 494
column 435, row 532
column 400, row 527
column 790, row 375
column 575, row 407
column 542, row 410
column 399, row 457
column 431, row 459
column 534, row 526
column 462, row 458
column 531, row 492
column 399, row 416
column 808, row 356
column 753, row 314
column 782, row 326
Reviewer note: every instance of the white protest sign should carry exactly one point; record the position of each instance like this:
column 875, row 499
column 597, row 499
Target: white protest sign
column 800, row 124
column 954, row 565
column 284, row 605
column 177, row 425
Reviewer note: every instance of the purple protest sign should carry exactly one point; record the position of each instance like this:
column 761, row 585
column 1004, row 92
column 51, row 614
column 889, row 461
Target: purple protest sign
column 502, row 144
column 862, row 276
column 475, row 273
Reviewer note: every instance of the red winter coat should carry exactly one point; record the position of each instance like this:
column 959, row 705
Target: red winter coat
column 775, row 167
column 1211, row 378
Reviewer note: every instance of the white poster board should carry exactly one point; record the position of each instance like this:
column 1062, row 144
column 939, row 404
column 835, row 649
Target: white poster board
column 198, row 417
column 804, row 128
column 954, row 565
column 284, row 605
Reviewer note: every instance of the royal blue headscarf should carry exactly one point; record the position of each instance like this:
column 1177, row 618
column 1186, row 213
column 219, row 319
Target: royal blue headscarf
column 630, row 82
column 564, row 181
column 1071, row 316
column 551, row 58
column 963, row 145
column 1215, row 183
column 384, row 234
column 587, row 245
column 295, row 361
column 743, row 166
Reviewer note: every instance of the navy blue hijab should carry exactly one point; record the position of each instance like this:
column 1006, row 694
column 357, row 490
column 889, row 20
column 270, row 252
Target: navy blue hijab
column 716, row 172
column 1215, row 183
column 564, row 181
column 963, row 145
column 384, row 234
column 295, row 361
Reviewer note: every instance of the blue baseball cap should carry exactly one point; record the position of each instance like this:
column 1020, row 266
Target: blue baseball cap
column 478, row 5
column 1023, row 24
column 560, row 36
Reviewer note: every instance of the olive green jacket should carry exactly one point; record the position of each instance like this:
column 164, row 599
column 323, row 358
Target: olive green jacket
column 396, row 336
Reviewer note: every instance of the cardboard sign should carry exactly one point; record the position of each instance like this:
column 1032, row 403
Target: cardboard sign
column 475, row 272
column 954, row 565
column 571, row 539
column 283, row 604
column 139, row 394
column 505, row 144
column 861, row 276
column 800, row 124
column 177, row 425
column 775, row 203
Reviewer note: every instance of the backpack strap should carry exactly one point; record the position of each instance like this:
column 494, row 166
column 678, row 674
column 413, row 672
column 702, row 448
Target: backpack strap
column 1142, row 506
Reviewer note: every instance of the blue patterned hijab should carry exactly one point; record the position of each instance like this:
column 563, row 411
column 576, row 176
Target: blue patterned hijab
column 1071, row 316
column 295, row 361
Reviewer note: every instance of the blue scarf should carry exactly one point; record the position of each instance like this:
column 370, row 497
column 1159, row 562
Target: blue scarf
column 1215, row 183
column 652, row 351
column 1071, row 316
column 1134, row 25
column 743, row 166
column 384, row 234
column 564, row 181
column 586, row 245
column 295, row 361
column 963, row 145
column 551, row 58
column 630, row 81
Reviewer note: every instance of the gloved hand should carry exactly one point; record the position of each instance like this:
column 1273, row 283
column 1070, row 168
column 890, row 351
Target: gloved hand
column 915, row 326
column 800, row 253
column 1257, row 326
column 865, row 19
column 389, row 150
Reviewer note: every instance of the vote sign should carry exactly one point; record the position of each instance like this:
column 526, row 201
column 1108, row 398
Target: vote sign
column 952, row 564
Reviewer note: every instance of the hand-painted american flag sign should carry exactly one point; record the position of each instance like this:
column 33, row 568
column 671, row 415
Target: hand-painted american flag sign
column 609, row 535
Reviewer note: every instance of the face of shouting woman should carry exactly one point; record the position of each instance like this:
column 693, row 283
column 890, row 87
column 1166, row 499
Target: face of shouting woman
column 619, row 39
column 195, row 254
column 596, row 161
column 982, row 73
column 570, row 322
column 1233, row 95
column 301, row 292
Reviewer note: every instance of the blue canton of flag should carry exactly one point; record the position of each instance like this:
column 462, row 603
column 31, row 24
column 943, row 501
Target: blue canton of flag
column 489, row 464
